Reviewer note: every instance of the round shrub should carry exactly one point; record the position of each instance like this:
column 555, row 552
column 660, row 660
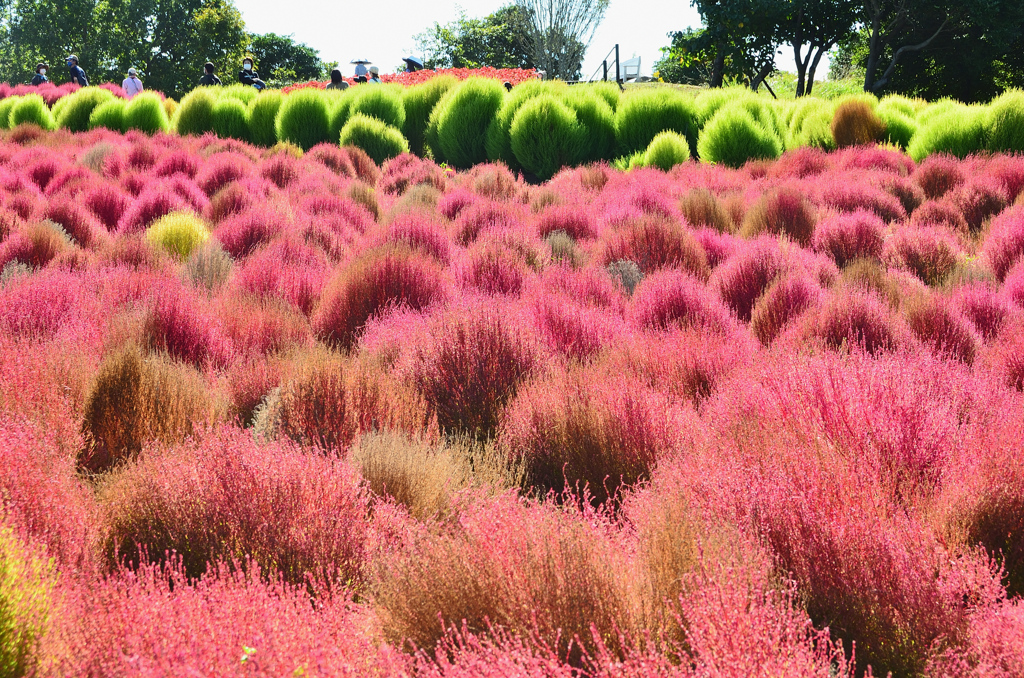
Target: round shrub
column 499, row 141
column 32, row 109
column 744, row 277
column 195, row 113
column 109, row 115
column 645, row 114
column 75, row 113
column 938, row 174
column 597, row 118
column 846, row 237
column 461, row 122
column 231, row 119
column 784, row 211
column 1006, row 123
column 847, row 320
column 855, row 123
column 671, row 300
column 382, row 103
column 942, row 329
column 240, row 92
column 263, row 118
column 179, row 233
column 145, row 112
column 303, row 119
column 546, row 136
column 5, row 111
column 418, row 102
column 929, row 253
column 1004, row 244
column 732, row 137
column 899, row 128
column 960, row 133
column 654, row 243
column 784, row 300
column 667, row 150
column 380, row 140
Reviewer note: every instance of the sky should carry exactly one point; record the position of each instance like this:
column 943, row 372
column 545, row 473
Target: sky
column 384, row 32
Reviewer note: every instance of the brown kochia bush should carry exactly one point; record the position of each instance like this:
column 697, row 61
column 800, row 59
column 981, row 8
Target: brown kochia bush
column 655, row 243
column 701, row 209
column 784, row 211
column 855, row 123
column 136, row 399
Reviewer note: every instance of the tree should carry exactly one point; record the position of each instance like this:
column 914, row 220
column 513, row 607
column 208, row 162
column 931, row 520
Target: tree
column 746, row 33
column 817, row 25
column 560, row 32
column 500, row 40
column 690, row 59
column 280, row 58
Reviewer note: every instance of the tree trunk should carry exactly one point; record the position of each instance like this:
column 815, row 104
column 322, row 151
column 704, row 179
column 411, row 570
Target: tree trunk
column 718, row 68
column 801, row 69
column 814, row 66
column 765, row 71
column 874, row 48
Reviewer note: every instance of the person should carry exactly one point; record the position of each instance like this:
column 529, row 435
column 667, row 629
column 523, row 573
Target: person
column 360, row 79
column 131, row 85
column 208, row 78
column 77, row 74
column 374, row 75
column 337, row 82
column 360, row 70
column 249, row 75
column 508, row 86
column 40, row 77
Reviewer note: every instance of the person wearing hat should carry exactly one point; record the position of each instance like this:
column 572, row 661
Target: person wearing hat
column 209, row 78
column 361, row 69
column 249, row 75
column 40, row 77
column 374, row 75
column 77, row 74
column 337, row 82
column 131, row 85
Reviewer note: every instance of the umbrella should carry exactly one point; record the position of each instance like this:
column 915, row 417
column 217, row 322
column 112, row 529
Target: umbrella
column 414, row 63
column 360, row 61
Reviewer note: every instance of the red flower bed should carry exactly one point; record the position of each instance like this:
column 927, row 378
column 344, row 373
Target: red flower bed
column 512, row 75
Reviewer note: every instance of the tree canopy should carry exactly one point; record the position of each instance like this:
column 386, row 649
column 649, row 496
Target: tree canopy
column 500, row 40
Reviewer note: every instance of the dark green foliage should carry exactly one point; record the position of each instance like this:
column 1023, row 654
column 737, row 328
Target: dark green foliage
column 959, row 132
column 383, row 103
column 500, row 40
column 733, row 137
column 380, row 140
column 461, row 121
column 231, row 119
column 146, row 112
column 498, row 143
column 598, row 121
column 195, row 113
column 109, row 115
column 263, row 118
column 419, row 101
column 1006, row 123
column 546, row 136
column 643, row 115
column 303, row 119
column 667, row 150
column 277, row 56
column 32, row 109
column 76, row 108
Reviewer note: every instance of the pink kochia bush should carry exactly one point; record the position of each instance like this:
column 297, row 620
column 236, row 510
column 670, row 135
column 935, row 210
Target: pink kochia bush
column 710, row 422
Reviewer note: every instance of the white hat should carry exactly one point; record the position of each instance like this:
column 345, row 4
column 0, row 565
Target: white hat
column 374, row 70
column 132, row 71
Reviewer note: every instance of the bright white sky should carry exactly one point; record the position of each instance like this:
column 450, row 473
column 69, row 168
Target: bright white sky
column 383, row 32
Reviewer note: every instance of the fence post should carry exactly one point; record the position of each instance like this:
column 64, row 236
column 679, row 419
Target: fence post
column 605, row 65
column 618, row 75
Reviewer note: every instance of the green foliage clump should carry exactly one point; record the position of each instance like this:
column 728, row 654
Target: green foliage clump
column 145, row 112
column 608, row 91
column 179, row 233
column 643, row 115
column 899, row 128
column 231, row 119
column 32, row 109
column 598, row 121
column 75, row 109
column 546, row 136
column 1006, row 123
column 26, row 582
column 710, row 101
column 498, row 143
column 244, row 93
column 109, row 115
column 418, row 102
column 667, row 150
column 195, row 112
column 732, row 137
column 380, row 140
column 959, row 132
column 263, row 118
column 382, row 103
column 460, row 122
column 339, row 107
column 5, row 111
column 303, row 119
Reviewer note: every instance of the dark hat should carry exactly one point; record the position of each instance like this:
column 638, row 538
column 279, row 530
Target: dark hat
column 41, row 64
column 71, row 57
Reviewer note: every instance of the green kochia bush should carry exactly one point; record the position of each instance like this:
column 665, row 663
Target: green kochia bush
column 547, row 136
column 244, row 93
column 418, row 102
column 382, row 103
column 460, row 122
column 339, row 108
column 5, row 111
column 231, row 119
column 32, row 109
column 732, row 137
column 146, row 112
column 380, row 140
column 1006, row 123
column 960, row 132
column 899, row 128
column 598, row 121
column 76, row 108
column 499, row 141
column 304, row 119
column 667, row 150
column 109, row 115
column 195, row 113
column 263, row 118
column 643, row 115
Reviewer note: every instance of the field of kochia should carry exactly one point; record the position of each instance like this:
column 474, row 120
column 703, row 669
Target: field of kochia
column 280, row 409
column 541, row 127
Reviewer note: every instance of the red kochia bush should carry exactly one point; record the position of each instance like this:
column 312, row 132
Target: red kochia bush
column 242, row 234
column 107, row 202
column 209, row 501
column 407, row 170
column 420, row 233
column 939, row 174
column 654, row 243
column 574, row 330
column 575, row 221
column 222, row 169
column 846, row 237
column 849, row 319
column 984, row 307
column 851, row 193
column 784, row 211
column 153, row 203
column 943, row 329
column 929, row 253
column 470, row 363
column 390, row 276
column 781, row 303
column 454, row 201
column 1004, row 244
column 748, row 273
column 939, row 213
column 177, row 162
column 485, row 215
column 978, row 200
column 76, row 221
column 673, row 299
column 178, row 325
